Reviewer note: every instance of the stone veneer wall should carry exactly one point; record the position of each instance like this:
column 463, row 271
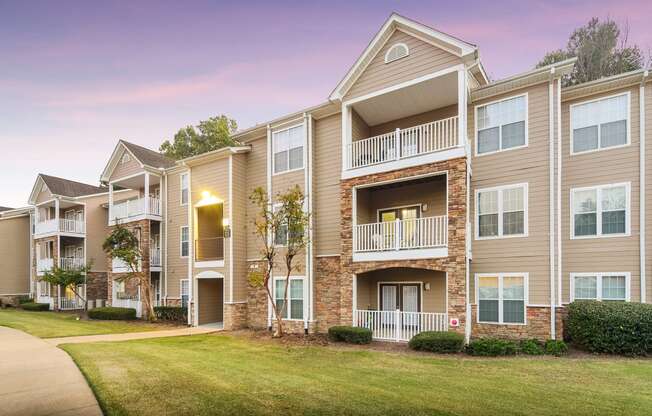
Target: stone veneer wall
column 131, row 286
column 96, row 283
column 235, row 316
column 327, row 292
column 537, row 325
column 454, row 265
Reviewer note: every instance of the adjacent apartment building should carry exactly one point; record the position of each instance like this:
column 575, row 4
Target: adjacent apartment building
column 439, row 200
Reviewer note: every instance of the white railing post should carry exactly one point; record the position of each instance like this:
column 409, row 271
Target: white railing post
column 397, row 325
column 397, row 234
column 397, row 143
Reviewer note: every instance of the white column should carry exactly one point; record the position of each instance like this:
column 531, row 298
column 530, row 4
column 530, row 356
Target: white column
column 56, row 213
column 146, row 205
column 110, row 203
column 346, row 135
column 642, row 217
column 461, row 106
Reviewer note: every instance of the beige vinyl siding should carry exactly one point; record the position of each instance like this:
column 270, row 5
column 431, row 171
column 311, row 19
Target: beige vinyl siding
column 422, row 60
column 96, row 231
column 177, row 217
column 14, row 255
column 359, row 129
column 423, row 118
column 44, row 195
column 648, row 191
column 239, row 228
column 122, row 170
column 212, row 177
column 433, row 300
column 256, row 177
column 283, row 182
column 612, row 254
column 524, row 165
column 327, row 168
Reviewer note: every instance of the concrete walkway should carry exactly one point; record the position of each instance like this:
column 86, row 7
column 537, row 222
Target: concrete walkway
column 37, row 378
column 133, row 335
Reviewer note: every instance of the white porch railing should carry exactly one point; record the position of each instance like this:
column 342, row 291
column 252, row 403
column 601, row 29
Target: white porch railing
column 119, row 266
column 71, row 263
column 155, row 257
column 135, row 207
column 44, row 265
column 71, row 226
column 403, row 143
column 427, row 232
column 66, row 304
column 397, row 325
column 129, row 303
column 45, row 227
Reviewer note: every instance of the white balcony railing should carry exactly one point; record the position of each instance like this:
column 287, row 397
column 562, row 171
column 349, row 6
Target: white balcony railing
column 427, row 232
column 71, row 263
column 155, row 257
column 398, row 325
column 135, row 207
column 64, row 226
column 67, row 304
column 403, row 143
column 44, row 265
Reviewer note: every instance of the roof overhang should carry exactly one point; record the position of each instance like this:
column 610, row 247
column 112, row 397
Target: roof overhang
column 15, row 213
column 115, row 159
column 615, row 82
column 395, row 22
column 214, row 155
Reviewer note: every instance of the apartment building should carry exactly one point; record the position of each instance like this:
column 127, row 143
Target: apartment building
column 439, row 200
column 15, row 253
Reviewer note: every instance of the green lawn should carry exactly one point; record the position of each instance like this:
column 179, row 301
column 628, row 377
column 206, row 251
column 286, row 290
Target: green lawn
column 229, row 375
column 57, row 324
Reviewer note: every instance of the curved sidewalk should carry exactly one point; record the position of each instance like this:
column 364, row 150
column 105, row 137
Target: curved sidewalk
column 133, row 335
column 37, row 378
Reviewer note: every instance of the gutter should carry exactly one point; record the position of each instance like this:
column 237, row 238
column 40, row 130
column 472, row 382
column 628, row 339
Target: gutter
column 642, row 184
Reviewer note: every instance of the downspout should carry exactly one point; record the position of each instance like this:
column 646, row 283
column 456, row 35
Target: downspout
column 269, row 199
column 164, row 252
column 468, row 322
column 642, row 224
column 551, row 159
column 559, row 173
column 191, row 249
column 310, row 248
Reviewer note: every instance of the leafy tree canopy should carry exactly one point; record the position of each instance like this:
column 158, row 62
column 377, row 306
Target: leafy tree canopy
column 210, row 134
column 602, row 50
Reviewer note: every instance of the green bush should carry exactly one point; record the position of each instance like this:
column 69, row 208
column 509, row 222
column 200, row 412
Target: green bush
column 611, row 327
column 491, row 347
column 442, row 342
column 349, row 334
column 531, row 347
column 110, row 313
column 31, row 306
column 25, row 299
column 171, row 313
column 556, row 347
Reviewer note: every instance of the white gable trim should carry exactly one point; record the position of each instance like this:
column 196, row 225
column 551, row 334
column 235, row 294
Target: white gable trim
column 395, row 22
column 115, row 159
column 36, row 190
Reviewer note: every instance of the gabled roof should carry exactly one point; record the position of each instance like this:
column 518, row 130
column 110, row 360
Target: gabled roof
column 395, row 21
column 146, row 157
column 5, row 209
column 63, row 187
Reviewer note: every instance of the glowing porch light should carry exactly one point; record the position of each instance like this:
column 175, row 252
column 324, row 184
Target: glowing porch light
column 208, row 199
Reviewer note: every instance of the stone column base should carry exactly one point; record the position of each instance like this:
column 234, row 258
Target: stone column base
column 235, row 316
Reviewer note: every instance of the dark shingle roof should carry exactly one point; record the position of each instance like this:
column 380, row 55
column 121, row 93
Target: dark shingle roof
column 149, row 157
column 5, row 209
column 66, row 187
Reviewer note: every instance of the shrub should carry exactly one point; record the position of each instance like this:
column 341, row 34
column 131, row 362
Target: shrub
column 491, row 347
column 350, row 334
column 171, row 313
column 111, row 313
column 556, row 347
column 531, row 347
column 442, row 342
column 31, row 306
column 611, row 327
column 25, row 299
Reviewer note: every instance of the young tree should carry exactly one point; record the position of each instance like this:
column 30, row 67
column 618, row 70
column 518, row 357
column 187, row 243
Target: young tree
column 124, row 245
column 283, row 231
column 210, row 134
column 601, row 49
column 71, row 279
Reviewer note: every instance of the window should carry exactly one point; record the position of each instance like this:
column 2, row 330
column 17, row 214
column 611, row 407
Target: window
column 397, row 51
column 184, row 188
column 288, row 149
column 600, row 286
column 502, row 298
column 501, row 212
column 600, row 124
column 185, row 292
column 125, row 158
column 600, row 211
column 295, row 297
column 501, row 125
column 185, row 241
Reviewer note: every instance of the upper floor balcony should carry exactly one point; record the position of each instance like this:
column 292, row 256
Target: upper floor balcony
column 59, row 217
column 146, row 204
column 405, row 126
column 62, row 225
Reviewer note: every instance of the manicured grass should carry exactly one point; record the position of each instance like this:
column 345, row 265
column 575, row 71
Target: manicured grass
column 228, row 375
column 58, row 324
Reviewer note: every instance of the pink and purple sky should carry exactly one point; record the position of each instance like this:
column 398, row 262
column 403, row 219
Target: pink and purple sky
column 76, row 76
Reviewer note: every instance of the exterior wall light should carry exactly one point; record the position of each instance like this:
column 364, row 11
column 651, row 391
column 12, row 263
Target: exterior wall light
column 226, row 224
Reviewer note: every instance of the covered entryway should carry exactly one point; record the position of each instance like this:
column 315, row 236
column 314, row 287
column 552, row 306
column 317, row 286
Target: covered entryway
column 210, row 298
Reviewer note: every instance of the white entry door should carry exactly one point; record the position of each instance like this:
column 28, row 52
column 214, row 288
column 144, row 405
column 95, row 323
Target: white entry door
column 410, row 298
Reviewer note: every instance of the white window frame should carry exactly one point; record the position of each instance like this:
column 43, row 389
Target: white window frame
column 599, row 189
column 398, row 44
column 599, row 149
column 303, row 152
column 500, row 190
column 500, row 150
column 181, row 189
column 181, row 241
column 287, row 309
column 598, row 293
column 181, row 281
column 501, row 276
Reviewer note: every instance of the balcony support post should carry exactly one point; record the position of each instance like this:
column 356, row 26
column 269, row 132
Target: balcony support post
column 146, row 192
column 397, row 144
column 56, row 214
column 397, row 234
column 110, row 202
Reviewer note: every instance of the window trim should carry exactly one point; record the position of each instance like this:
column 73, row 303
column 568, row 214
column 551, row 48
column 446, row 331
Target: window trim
column 599, row 149
column 181, row 291
column 181, row 241
column 287, row 310
column 500, row 188
column 526, row 279
column 598, row 188
column 527, row 125
column 599, row 276
column 303, row 152
column 181, row 203
column 407, row 52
